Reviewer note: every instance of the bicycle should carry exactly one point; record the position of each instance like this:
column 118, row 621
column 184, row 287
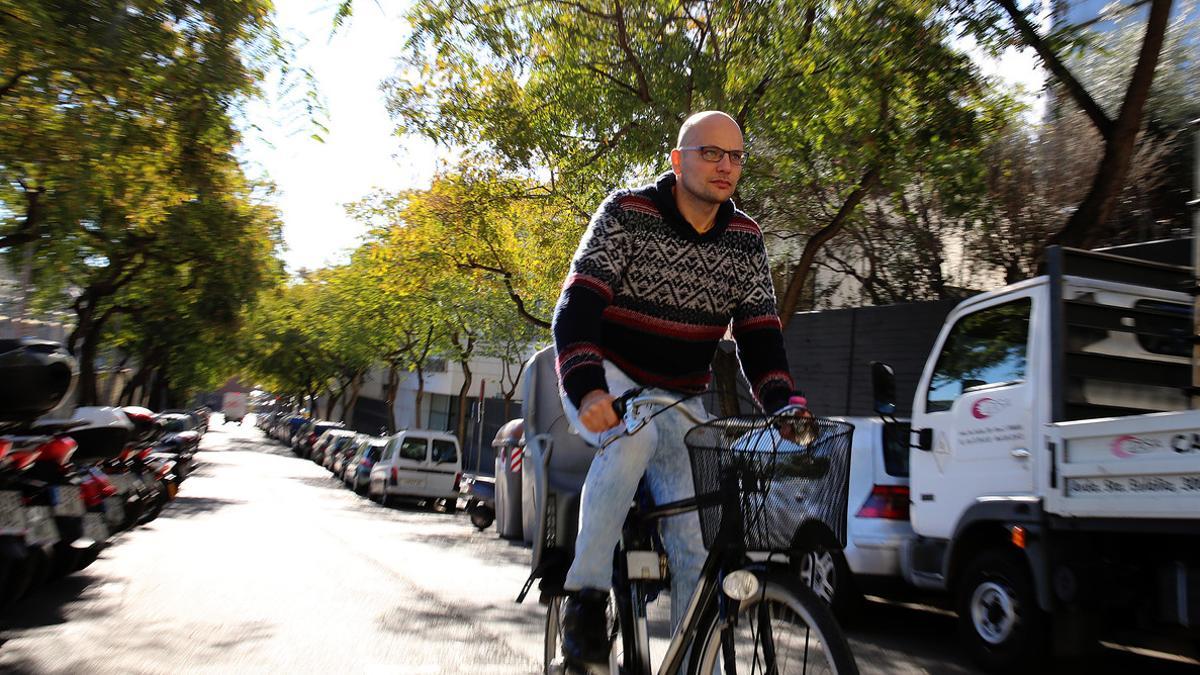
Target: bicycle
column 749, row 612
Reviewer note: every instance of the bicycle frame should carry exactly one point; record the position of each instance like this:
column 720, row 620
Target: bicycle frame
column 723, row 556
column 631, row 604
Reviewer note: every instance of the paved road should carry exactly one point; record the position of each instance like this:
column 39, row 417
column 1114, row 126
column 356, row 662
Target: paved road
column 264, row 564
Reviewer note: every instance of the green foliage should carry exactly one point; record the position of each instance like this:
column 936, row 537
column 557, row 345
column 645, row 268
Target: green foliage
column 590, row 95
column 117, row 165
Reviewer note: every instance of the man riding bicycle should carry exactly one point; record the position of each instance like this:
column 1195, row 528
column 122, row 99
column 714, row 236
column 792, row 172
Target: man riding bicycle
column 659, row 275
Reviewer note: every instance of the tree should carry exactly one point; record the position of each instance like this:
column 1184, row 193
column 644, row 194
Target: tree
column 1001, row 23
column 117, row 150
column 836, row 97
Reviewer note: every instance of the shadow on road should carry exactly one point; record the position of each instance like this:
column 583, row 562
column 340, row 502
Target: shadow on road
column 442, row 630
column 46, row 606
column 187, row 507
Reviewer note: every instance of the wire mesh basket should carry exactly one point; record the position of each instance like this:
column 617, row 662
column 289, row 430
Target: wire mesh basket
column 782, row 485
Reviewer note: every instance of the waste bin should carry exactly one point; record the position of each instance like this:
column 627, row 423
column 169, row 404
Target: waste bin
column 509, row 448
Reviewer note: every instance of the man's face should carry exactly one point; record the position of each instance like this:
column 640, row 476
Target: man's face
column 713, row 182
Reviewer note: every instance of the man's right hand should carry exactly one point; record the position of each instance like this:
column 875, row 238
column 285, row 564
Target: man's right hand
column 596, row 412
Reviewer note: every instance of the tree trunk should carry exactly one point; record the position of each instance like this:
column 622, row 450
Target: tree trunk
column 462, row 402
column 352, row 399
column 420, row 395
column 333, row 399
column 134, row 383
column 393, row 385
column 799, row 275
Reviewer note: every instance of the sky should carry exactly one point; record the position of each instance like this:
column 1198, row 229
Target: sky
column 361, row 152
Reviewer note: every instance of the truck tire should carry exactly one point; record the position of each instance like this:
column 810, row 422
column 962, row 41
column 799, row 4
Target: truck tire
column 998, row 616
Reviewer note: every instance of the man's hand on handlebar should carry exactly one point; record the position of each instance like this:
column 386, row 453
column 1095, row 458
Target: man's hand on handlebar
column 596, row 412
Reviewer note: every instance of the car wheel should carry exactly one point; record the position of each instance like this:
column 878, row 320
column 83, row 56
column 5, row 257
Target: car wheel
column 826, row 573
column 998, row 616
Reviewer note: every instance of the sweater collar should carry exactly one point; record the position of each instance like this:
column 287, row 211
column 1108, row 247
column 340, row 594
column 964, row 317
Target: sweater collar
column 664, row 199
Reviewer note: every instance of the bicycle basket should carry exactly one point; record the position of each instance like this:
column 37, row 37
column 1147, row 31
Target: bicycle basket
column 782, row 485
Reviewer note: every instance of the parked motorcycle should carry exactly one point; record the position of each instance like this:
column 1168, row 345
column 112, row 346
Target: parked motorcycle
column 35, row 377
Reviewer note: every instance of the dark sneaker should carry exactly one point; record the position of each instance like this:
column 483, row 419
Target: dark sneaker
column 585, row 627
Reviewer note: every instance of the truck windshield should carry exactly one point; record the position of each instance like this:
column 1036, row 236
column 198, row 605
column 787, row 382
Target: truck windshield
column 986, row 347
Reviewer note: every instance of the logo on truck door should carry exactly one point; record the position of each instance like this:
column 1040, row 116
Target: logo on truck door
column 1130, row 446
column 986, row 407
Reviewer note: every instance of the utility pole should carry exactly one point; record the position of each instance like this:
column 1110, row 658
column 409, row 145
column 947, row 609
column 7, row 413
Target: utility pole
column 479, row 428
column 1194, row 206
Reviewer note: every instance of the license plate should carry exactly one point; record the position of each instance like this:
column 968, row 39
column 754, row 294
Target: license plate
column 119, row 482
column 94, row 527
column 42, row 529
column 114, row 510
column 12, row 513
column 68, row 501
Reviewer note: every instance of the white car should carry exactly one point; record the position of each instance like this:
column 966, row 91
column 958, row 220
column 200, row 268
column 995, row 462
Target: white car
column 420, row 465
column 877, row 522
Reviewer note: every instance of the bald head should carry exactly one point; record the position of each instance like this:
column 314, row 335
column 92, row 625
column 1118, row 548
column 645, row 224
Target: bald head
column 706, row 124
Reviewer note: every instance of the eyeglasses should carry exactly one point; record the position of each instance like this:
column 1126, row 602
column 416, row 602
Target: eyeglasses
column 711, row 153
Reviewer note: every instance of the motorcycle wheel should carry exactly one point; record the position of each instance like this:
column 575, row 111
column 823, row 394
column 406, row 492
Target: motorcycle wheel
column 481, row 516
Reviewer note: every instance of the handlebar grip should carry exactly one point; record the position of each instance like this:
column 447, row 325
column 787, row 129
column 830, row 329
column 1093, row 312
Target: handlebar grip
column 621, row 403
column 798, row 400
column 618, row 406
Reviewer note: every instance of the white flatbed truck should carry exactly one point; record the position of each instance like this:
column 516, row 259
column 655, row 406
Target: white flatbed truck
column 1055, row 463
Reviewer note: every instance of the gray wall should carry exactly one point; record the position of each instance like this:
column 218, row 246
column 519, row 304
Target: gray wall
column 830, row 352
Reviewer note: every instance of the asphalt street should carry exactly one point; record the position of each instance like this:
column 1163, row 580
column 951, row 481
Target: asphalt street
column 265, row 564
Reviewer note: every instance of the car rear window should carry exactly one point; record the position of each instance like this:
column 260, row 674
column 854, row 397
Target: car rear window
column 444, row 451
column 895, row 448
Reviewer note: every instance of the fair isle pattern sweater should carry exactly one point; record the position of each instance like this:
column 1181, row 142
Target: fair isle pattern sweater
column 652, row 295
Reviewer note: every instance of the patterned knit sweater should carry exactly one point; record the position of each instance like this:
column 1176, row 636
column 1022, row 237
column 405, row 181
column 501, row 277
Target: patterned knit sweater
column 652, row 295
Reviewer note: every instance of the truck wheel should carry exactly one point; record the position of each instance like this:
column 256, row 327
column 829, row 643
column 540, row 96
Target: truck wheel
column 998, row 615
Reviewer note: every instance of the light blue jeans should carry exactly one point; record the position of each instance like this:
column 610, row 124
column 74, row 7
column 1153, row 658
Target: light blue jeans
column 658, row 452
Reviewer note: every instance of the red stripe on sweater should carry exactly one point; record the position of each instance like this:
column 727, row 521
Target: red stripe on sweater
column 591, row 283
column 757, row 323
column 641, row 204
column 694, row 383
column 744, row 224
column 773, row 376
column 650, row 324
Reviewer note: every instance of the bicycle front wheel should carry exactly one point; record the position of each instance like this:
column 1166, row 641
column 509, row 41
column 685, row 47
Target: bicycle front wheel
column 785, row 629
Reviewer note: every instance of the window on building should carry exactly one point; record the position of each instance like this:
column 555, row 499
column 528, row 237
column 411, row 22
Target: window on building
column 440, row 412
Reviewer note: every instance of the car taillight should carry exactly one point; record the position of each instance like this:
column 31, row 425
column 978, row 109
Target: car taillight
column 312, row 439
column 457, row 479
column 5, row 446
column 395, row 475
column 886, row 501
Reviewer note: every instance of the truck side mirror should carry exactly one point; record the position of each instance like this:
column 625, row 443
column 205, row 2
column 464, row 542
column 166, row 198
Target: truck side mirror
column 883, row 387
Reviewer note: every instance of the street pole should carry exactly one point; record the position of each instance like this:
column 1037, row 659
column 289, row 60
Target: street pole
column 1194, row 206
column 479, row 429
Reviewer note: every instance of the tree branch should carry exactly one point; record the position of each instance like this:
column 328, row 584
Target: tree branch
column 643, row 87
column 512, row 292
column 791, row 298
column 1073, row 86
